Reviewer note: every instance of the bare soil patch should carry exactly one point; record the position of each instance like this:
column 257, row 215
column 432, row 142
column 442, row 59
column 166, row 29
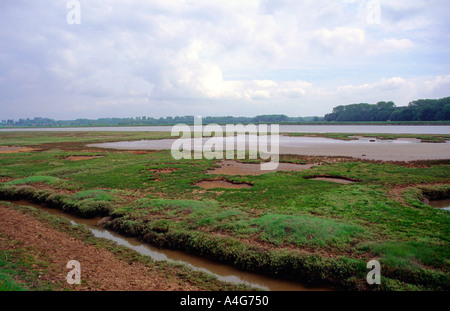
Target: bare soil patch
column 100, row 269
column 222, row 183
column 339, row 180
column 82, row 157
column 12, row 149
column 5, row 179
column 230, row 167
column 162, row 170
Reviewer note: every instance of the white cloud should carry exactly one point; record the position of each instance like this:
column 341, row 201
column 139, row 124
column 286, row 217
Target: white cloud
column 172, row 57
column 340, row 39
column 391, row 45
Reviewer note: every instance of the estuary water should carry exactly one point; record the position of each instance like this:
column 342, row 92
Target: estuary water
column 402, row 149
column 359, row 129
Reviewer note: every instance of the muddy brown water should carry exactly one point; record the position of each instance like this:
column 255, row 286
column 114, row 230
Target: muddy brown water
column 442, row 204
column 222, row 272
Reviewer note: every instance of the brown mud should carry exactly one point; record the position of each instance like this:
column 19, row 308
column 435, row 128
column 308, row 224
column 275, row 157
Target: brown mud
column 81, row 157
column 7, row 149
column 101, row 269
column 230, row 167
column 335, row 179
column 222, row 183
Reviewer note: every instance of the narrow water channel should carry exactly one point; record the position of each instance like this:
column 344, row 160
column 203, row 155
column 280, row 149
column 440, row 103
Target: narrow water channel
column 223, row 272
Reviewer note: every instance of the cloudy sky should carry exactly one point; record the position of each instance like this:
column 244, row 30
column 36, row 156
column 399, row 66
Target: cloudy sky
column 243, row 58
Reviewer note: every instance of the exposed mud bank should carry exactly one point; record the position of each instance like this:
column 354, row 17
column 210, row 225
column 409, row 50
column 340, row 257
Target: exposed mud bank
column 230, row 167
column 335, row 179
column 222, row 183
column 82, row 157
column 12, row 149
column 438, row 198
column 222, row 272
column 434, row 195
column 102, row 270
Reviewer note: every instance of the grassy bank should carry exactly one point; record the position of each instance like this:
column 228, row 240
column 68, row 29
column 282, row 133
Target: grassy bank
column 285, row 225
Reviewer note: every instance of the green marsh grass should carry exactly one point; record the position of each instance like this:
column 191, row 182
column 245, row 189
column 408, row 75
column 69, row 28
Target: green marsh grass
column 284, row 210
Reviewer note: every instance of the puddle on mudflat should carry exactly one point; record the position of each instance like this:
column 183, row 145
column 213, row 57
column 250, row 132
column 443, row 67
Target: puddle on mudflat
column 442, row 204
column 222, row 272
column 230, row 167
column 212, row 184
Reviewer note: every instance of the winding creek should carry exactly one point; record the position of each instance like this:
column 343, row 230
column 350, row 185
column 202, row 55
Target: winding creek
column 222, row 272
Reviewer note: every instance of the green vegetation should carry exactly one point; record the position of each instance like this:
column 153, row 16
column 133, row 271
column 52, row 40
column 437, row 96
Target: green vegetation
column 143, row 120
column 7, row 283
column 305, row 230
column 34, row 179
column 423, row 110
column 419, row 110
column 285, row 225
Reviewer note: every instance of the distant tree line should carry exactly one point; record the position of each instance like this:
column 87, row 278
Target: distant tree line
column 419, row 110
column 143, row 120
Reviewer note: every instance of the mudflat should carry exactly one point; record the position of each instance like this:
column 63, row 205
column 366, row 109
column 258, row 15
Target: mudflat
column 402, row 149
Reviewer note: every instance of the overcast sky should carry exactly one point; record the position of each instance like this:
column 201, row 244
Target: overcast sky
column 242, row 58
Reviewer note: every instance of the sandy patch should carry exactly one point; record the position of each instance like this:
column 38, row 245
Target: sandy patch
column 229, row 167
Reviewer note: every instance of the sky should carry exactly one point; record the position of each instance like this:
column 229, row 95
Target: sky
column 66, row 59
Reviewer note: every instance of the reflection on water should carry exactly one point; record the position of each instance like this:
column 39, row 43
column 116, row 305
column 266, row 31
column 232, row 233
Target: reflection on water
column 222, row 272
